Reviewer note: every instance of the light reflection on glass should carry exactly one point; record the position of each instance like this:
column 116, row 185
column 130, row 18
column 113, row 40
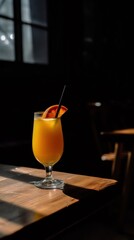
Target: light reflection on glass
column 7, row 40
column 34, row 13
column 6, row 8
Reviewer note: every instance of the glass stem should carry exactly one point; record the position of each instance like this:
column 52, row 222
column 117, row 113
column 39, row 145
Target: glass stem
column 49, row 173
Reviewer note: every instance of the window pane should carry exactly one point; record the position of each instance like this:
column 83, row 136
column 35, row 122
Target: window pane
column 35, row 45
column 33, row 12
column 6, row 40
column 6, row 8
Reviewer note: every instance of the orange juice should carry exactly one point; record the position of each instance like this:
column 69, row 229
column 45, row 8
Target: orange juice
column 47, row 139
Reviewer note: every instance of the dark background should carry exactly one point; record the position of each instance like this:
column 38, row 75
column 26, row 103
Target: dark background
column 90, row 52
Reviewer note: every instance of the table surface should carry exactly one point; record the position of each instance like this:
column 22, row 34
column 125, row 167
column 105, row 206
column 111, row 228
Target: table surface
column 119, row 135
column 22, row 204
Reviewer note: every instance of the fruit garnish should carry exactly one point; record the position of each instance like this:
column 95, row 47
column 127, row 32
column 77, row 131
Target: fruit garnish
column 50, row 112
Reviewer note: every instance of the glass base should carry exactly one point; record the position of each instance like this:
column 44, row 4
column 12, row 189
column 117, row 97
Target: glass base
column 49, row 184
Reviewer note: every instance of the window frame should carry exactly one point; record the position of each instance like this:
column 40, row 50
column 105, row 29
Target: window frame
column 18, row 47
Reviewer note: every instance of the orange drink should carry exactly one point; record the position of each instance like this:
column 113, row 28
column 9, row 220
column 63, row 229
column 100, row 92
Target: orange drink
column 47, row 139
column 48, row 143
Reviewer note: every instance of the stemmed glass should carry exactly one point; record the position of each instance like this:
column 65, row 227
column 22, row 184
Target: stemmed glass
column 47, row 146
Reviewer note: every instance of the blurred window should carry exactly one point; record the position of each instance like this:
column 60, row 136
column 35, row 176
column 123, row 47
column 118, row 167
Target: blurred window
column 7, row 51
column 24, row 31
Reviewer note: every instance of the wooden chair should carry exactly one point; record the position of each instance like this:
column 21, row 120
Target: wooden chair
column 100, row 120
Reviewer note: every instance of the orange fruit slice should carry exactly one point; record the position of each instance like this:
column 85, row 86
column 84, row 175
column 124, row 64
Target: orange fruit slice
column 50, row 112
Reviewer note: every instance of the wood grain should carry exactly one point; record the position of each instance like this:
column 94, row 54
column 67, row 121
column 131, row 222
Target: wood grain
column 21, row 203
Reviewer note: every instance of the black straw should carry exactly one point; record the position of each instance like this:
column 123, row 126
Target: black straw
column 57, row 112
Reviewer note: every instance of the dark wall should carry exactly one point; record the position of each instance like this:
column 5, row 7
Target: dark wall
column 90, row 52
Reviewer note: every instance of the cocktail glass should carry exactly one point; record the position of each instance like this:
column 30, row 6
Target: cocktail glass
column 47, row 146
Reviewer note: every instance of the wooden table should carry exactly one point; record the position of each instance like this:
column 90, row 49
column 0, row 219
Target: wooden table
column 125, row 140
column 123, row 137
column 27, row 211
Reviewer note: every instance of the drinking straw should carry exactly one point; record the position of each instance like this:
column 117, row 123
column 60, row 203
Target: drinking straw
column 57, row 112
